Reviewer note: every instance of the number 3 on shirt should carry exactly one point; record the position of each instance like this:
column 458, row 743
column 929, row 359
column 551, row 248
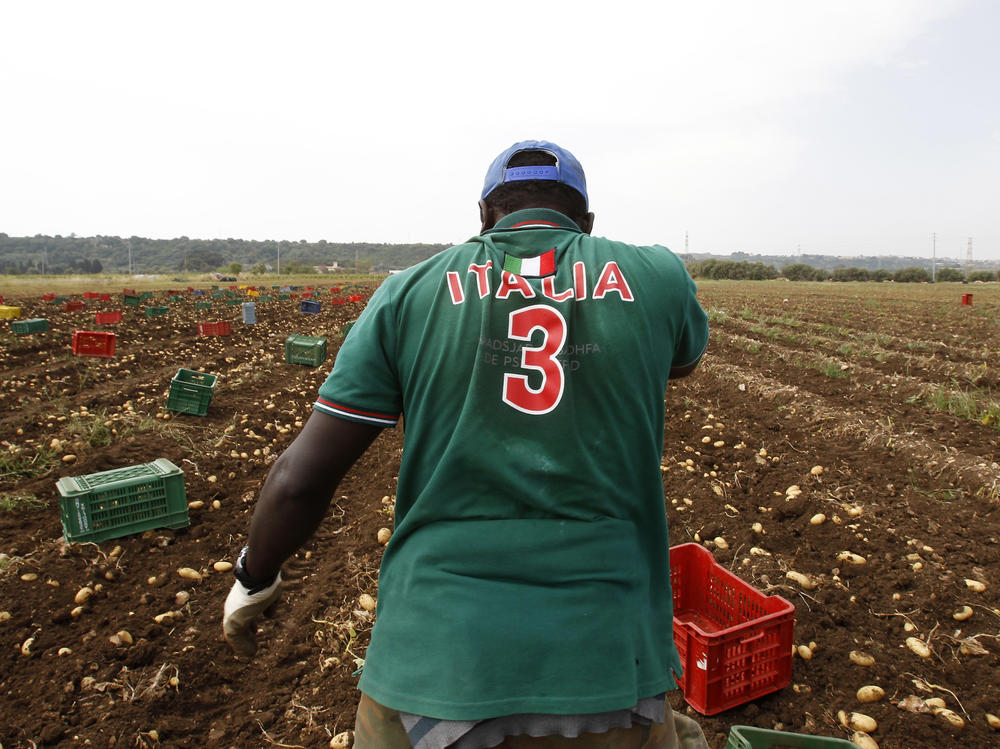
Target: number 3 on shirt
column 521, row 324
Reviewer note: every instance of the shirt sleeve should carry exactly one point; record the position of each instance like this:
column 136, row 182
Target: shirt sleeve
column 693, row 340
column 364, row 384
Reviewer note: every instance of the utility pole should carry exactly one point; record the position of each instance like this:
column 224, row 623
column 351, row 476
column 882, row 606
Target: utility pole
column 45, row 251
column 968, row 259
column 279, row 259
column 933, row 257
column 129, row 243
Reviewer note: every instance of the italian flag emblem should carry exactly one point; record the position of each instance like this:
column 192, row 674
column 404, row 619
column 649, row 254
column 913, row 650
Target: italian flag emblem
column 531, row 267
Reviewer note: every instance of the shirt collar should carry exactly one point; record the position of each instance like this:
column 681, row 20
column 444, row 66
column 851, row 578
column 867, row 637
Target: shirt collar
column 534, row 218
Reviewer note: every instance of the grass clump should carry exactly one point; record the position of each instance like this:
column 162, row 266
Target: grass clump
column 27, row 466
column 968, row 404
column 11, row 502
column 832, row 368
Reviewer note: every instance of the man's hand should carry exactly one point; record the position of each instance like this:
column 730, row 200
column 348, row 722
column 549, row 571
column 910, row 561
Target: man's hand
column 241, row 609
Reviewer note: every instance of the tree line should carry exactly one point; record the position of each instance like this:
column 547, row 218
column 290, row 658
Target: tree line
column 112, row 254
column 757, row 271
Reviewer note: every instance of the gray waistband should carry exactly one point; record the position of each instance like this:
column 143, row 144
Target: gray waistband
column 431, row 733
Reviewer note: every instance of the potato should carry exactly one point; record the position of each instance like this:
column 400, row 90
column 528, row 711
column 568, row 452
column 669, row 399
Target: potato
column 195, row 504
column 870, row 693
column 121, row 637
column 951, row 717
column 4, row 616
column 993, row 721
column 860, row 658
column 64, row 651
column 975, row 586
column 182, row 597
column 384, row 534
column 721, row 543
column 962, row 614
column 341, row 741
column 918, row 646
column 818, row 519
column 803, row 580
column 851, row 558
column 935, row 703
column 804, row 652
column 366, row 602
column 222, row 566
column 83, row 595
column 26, row 646
column 863, row 740
column 189, row 574
column 816, row 471
column 862, row 722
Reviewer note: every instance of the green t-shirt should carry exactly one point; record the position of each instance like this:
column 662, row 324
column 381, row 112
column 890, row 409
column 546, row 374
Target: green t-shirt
column 528, row 570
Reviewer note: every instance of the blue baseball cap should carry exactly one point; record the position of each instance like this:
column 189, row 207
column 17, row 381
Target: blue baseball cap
column 566, row 170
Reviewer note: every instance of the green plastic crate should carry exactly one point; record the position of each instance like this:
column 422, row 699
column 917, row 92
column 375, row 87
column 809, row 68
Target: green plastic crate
column 233, row 302
column 175, row 298
column 145, row 294
column 284, row 297
column 60, row 299
column 191, row 392
column 202, row 305
column 265, row 298
column 131, row 300
column 156, row 311
column 122, row 501
column 747, row 737
column 35, row 325
column 305, row 349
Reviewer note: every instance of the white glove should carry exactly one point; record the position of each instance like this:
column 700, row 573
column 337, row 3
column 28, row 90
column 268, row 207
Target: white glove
column 241, row 608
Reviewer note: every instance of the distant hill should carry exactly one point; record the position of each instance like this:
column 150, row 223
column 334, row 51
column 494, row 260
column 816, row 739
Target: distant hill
column 109, row 254
column 833, row 262
column 60, row 254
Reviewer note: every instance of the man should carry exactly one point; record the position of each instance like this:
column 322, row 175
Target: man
column 526, row 589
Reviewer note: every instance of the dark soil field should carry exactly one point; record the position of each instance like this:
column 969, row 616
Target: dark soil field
column 873, row 405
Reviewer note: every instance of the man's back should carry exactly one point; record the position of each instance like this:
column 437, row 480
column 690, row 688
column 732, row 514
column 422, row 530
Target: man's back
column 529, row 492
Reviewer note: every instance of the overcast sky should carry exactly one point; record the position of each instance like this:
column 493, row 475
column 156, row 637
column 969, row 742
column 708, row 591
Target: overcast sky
column 776, row 126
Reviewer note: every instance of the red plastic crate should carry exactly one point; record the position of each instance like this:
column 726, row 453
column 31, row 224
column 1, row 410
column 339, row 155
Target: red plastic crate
column 215, row 328
column 128, row 292
column 336, row 301
column 93, row 343
column 334, row 289
column 48, row 297
column 72, row 306
column 108, row 318
column 355, row 298
column 307, row 295
column 293, row 296
column 89, row 295
column 735, row 643
column 104, row 297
